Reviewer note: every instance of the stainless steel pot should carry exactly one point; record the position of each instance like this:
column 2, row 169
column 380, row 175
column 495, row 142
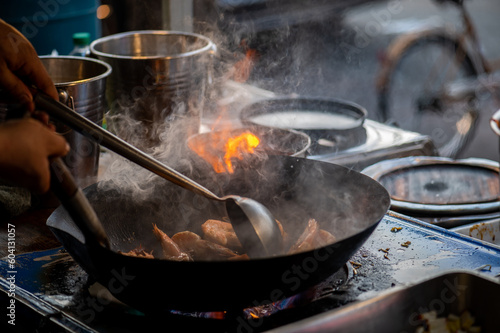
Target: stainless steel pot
column 81, row 83
column 158, row 77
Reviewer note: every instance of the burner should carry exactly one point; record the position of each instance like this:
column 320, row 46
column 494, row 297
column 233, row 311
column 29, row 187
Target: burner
column 379, row 142
column 338, row 142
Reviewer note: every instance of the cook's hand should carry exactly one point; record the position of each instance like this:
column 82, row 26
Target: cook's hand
column 26, row 145
column 19, row 62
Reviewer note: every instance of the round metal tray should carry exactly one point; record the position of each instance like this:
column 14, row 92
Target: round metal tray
column 475, row 205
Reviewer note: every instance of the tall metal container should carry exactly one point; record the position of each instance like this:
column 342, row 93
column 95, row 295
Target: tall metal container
column 159, row 78
column 81, row 83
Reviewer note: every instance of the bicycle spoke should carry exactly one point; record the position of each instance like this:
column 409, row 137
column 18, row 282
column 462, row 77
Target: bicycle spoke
column 414, row 94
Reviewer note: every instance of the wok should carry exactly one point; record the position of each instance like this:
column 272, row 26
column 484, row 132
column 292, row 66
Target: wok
column 344, row 202
column 317, row 117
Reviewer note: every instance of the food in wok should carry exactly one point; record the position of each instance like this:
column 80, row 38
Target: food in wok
column 219, row 242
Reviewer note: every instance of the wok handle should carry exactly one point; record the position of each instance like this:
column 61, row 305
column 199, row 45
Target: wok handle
column 76, row 204
column 97, row 134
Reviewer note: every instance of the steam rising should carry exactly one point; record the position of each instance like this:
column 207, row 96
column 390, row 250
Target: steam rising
column 165, row 137
column 148, row 199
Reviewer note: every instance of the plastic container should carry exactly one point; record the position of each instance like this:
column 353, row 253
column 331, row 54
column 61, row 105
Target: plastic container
column 81, row 43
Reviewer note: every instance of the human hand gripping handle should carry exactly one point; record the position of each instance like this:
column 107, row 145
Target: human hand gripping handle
column 64, row 186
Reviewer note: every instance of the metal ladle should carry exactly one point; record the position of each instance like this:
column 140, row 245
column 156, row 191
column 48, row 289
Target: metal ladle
column 254, row 225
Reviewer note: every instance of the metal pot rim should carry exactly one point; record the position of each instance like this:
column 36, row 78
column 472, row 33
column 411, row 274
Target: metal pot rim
column 210, row 46
column 105, row 74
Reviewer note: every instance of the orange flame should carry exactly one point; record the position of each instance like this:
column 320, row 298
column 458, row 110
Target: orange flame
column 222, row 148
column 235, row 147
column 243, row 68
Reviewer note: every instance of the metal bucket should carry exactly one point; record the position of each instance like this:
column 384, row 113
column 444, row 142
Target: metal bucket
column 159, row 78
column 81, row 83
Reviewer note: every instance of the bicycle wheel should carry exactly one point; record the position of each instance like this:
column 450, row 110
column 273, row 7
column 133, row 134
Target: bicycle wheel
column 411, row 86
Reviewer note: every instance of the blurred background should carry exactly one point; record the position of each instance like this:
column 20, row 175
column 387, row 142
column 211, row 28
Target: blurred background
column 317, row 48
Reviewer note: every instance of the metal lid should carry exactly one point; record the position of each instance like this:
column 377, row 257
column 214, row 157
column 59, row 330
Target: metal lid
column 439, row 186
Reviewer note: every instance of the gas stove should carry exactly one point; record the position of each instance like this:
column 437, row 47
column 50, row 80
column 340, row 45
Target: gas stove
column 53, row 293
column 381, row 142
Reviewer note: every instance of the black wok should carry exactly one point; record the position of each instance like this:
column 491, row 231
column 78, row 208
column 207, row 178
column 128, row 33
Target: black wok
column 344, row 202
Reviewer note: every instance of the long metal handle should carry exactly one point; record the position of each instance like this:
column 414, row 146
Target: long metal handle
column 99, row 135
column 74, row 201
